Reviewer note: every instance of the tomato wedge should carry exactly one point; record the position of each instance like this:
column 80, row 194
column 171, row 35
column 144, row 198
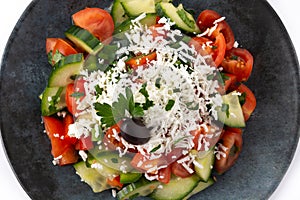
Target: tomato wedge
column 67, row 120
column 206, row 20
column 64, row 47
column 164, row 175
column 114, row 182
column 230, row 147
column 179, row 170
column 140, row 60
column 74, row 92
column 249, row 103
column 50, row 43
column 215, row 48
column 60, row 148
column 239, row 62
column 96, row 20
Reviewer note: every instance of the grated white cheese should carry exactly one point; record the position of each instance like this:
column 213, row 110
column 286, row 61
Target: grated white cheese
column 186, row 85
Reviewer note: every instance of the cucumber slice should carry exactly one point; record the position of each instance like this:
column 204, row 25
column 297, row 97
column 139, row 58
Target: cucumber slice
column 53, row 100
column 83, row 39
column 232, row 115
column 182, row 19
column 149, row 20
column 177, row 188
column 201, row 186
column 118, row 13
column 129, row 177
column 105, row 171
column 134, row 8
column 143, row 187
column 112, row 160
column 158, row 1
column 205, row 165
column 65, row 70
column 90, row 176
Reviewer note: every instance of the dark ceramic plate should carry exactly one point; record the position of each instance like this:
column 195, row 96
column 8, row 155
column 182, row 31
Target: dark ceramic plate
column 270, row 138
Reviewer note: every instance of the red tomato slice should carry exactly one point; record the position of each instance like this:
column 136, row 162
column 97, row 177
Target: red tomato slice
column 233, row 143
column 97, row 21
column 69, row 156
column 84, row 143
column 229, row 83
column 55, row 131
column 238, row 62
column 63, row 47
column 204, row 139
column 50, row 43
column 215, row 48
column 250, row 101
column 206, row 20
column 164, row 174
column 179, row 170
column 74, row 92
column 141, row 163
column 137, row 61
column 114, row 182
column 68, row 119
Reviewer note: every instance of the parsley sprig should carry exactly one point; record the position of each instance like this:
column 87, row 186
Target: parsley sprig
column 111, row 114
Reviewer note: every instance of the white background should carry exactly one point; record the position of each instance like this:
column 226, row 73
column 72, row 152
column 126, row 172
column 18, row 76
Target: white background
column 288, row 10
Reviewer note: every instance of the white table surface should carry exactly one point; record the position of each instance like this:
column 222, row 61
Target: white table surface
column 288, row 10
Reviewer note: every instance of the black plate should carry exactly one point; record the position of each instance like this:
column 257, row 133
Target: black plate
column 270, row 138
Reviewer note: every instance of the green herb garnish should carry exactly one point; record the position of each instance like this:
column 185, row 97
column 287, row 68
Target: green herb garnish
column 170, row 105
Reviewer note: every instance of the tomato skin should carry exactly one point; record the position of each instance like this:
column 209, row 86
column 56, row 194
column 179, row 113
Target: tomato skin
column 55, row 130
column 50, row 43
column 201, row 138
column 71, row 99
column 69, row 156
column 164, row 175
column 63, row 47
column 96, row 20
column 84, row 143
column 60, row 148
column 179, row 170
column 114, row 182
column 206, row 20
column 68, row 120
column 109, row 139
column 233, row 141
column 250, row 101
column 239, row 62
column 217, row 47
column 137, row 61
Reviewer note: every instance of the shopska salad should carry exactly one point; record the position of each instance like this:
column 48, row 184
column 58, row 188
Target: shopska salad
column 146, row 100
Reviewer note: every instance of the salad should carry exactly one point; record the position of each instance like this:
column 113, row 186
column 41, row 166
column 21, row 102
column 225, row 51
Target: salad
column 146, row 100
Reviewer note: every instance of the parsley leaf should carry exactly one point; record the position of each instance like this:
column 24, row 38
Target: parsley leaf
column 116, row 112
column 105, row 111
column 155, row 148
column 144, row 92
column 170, row 104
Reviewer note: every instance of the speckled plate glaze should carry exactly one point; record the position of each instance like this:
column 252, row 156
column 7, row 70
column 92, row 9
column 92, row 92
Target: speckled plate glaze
column 270, row 137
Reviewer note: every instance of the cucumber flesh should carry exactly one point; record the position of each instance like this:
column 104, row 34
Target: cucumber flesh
column 142, row 187
column 201, row 186
column 112, row 160
column 177, row 188
column 134, row 8
column 182, row 19
column 65, row 70
column 205, row 165
column 53, row 100
column 90, row 176
column 118, row 13
column 129, row 177
column 83, row 39
column 149, row 20
column 232, row 117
